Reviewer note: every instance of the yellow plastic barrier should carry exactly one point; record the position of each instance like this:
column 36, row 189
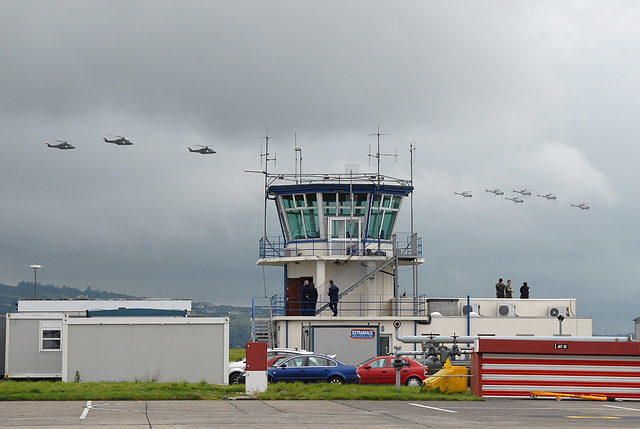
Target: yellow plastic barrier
column 559, row 396
column 450, row 379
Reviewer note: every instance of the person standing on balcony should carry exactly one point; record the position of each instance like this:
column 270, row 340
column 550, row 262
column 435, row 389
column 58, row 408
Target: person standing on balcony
column 333, row 297
column 304, row 298
column 312, row 294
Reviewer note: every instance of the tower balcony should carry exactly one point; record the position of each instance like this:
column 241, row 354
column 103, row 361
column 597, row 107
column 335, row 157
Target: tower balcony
column 403, row 245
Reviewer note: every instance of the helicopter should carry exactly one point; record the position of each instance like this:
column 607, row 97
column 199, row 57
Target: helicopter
column 465, row 194
column 497, row 192
column 63, row 145
column 524, row 192
column 203, row 150
column 548, row 196
column 120, row 141
column 581, row 206
column 516, row 200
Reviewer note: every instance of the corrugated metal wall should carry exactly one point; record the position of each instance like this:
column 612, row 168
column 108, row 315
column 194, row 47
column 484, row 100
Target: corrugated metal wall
column 515, row 368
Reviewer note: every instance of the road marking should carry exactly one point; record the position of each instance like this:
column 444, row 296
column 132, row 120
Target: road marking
column 86, row 410
column 433, row 408
column 594, row 417
column 622, row 408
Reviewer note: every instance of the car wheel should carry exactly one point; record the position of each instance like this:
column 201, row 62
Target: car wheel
column 413, row 381
column 270, row 379
column 233, row 377
column 335, row 380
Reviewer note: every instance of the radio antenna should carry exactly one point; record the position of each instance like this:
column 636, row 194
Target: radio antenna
column 378, row 154
column 298, row 159
column 265, row 155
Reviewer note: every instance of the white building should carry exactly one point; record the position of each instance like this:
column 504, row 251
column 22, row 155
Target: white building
column 114, row 340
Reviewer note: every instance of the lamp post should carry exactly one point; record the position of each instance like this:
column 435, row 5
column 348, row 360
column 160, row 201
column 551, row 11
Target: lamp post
column 35, row 267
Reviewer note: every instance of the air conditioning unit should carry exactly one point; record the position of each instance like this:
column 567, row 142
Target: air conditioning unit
column 506, row 310
column 557, row 311
column 464, row 310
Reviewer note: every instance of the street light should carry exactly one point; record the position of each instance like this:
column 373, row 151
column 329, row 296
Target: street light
column 35, row 267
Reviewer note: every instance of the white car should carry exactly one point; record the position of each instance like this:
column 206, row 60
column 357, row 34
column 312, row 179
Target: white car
column 237, row 368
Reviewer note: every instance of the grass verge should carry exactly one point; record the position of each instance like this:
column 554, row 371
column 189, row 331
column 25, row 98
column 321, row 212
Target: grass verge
column 325, row 391
column 11, row 390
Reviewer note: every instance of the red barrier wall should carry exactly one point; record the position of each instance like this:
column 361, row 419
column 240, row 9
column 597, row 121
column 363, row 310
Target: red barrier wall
column 514, row 368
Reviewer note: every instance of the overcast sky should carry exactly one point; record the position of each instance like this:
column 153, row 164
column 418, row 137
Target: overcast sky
column 495, row 94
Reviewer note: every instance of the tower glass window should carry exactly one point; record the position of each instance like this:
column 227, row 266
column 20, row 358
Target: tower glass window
column 382, row 219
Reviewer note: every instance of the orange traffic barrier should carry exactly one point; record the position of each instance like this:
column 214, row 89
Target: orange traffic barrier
column 559, row 396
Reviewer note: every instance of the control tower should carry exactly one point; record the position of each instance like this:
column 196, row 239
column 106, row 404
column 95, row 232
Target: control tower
column 340, row 227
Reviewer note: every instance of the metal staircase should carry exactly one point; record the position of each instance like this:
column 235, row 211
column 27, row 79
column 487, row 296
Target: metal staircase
column 368, row 276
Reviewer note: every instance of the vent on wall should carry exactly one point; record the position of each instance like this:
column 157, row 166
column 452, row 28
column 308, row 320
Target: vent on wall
column 557, row 311
column 475, row 308
column 506, row 310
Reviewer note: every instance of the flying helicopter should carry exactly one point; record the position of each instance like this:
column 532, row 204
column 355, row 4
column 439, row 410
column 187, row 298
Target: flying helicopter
column 548, row 196
column 524, row 192
column 516, row 200
column 120, row 141
column 497, row 192
column 203, row 149
column 465, row 194
column 63, row 145
column 581, row 206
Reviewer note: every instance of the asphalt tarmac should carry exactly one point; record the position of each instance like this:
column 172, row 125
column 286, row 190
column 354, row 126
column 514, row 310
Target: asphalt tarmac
column 491, row 413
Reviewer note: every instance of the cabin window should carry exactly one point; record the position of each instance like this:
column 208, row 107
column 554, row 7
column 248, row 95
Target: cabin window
column 383, row 216
column 50, row 335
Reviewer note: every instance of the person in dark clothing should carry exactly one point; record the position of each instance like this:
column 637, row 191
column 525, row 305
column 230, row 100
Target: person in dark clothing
column 500, row 289
column 524, row 291
column 312, row 294
column 333, row 297
column 304, row 298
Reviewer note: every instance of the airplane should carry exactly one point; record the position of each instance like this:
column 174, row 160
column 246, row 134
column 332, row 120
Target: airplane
column 465, row 194
column 516, row 200
column 63, row 145
column 523, row 192
column 203, row 149
column 581, row 206
column 548, row 196
column 497, row 192
column 120, row 141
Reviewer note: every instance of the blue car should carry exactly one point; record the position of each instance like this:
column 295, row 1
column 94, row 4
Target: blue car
column 313, row 369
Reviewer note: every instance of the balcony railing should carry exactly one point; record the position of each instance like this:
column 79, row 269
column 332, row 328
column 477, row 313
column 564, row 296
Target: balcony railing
column 278, row 247
column 354, row 306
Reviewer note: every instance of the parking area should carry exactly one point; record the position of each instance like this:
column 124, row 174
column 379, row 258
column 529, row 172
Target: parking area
column 307, row 414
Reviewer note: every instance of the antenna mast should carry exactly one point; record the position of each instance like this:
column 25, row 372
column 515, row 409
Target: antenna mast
column 378, row 154
column 298, row 159
column 414, row 238
column 265, row 155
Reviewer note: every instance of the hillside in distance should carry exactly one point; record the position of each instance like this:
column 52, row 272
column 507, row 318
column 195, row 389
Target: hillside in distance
column 239, row 317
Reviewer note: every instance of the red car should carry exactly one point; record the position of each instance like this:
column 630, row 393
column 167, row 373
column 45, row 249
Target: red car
column 380, row 370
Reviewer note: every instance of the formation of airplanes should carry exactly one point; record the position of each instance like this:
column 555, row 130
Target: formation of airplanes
column 520, row 195
column 124, row 141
